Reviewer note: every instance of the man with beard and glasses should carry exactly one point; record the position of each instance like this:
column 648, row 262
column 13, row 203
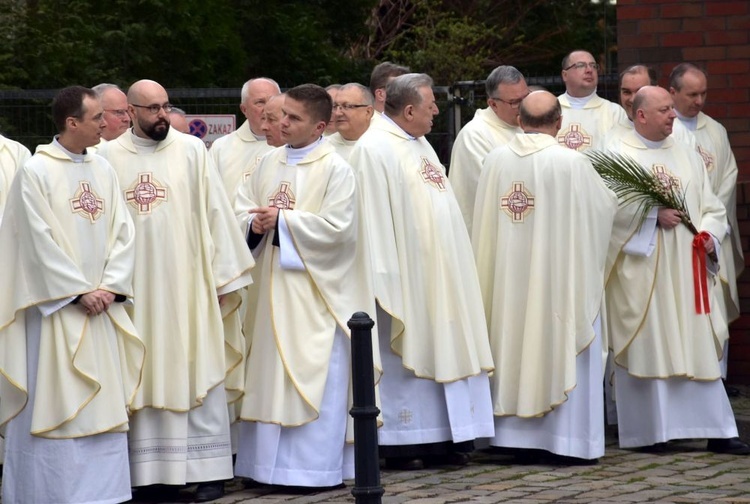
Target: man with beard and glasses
column 190, row 261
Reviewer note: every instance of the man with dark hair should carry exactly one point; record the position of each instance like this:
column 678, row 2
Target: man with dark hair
column 632, row 79
column 432, row 332
column 381, row 75
column 190, row 263
column 490, row 128
column 299, row 210
column 665, row 331
column 547, row 385
column 587, row 118
column 689, row 88
column 70, row 357
column 352, row 113
column 237, row 154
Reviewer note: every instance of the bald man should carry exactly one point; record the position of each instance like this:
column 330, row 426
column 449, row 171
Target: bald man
column 667, row 336
column 587, row 117
column 547, row 385
column 190, row 261
column 270, row 123
column 353, row 109
column 689, row 88
column 237, row 154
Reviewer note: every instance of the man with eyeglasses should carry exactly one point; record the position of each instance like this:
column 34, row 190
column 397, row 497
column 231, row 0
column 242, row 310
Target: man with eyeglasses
column 492, row 127
column 545, row 330
column 299, row 211
column 587, row 118
column 237, row 153
column 433, row 336
column 71, row 359
column 352, row 112
column 190, row 262
column 115, row 104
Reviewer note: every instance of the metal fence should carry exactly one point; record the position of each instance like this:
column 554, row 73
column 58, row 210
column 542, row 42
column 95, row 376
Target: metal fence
column 25, row 115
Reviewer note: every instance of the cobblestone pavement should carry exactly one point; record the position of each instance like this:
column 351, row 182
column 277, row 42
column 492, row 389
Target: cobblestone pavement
column 684, row 474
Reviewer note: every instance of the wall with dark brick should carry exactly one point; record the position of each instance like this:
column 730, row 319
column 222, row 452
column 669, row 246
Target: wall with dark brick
column 715, row 35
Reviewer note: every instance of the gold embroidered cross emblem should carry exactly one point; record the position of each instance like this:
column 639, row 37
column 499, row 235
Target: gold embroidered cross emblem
column 86, row 203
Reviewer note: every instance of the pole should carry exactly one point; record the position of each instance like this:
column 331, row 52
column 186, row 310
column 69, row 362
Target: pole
column 367, row 488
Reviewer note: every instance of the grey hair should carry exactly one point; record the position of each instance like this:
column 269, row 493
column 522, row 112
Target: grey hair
column 178, row 111
column 367, row 95
column 246, row 86
column 404, row 90
column 99, row 89
column 504, row 74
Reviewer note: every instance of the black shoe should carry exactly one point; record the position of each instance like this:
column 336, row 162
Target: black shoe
column 209, row 491
column 654, row 448
column 303, row 490
column 731, row 446
column 528, row 456
column 455, row 458
column 156, row 493
column 404, row 463
column 571, row 461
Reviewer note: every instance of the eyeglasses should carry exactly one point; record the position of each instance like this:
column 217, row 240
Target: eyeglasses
column 510, row 103
column 581, row 66
column 154, row 109
column 118, row 112
column 348, row 106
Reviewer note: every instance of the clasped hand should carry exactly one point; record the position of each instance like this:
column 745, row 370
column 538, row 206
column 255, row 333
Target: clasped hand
column 265, row 219
column 96, row 302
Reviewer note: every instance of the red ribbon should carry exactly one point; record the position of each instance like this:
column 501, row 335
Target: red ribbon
column 700, row 280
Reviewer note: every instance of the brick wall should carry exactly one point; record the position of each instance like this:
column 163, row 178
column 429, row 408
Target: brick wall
column 713, row 34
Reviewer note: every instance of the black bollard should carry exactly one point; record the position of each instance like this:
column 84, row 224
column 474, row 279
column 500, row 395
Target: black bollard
column 367, row 488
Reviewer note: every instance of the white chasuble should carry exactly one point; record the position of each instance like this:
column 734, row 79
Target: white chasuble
column 422, row 261
column 586, row 128
column 483, row 133
column 299, row 309
column 236, row 156
column 712, row 143
column 654, row 329
column 67, row 233
column 541, row 230
column 188, row 250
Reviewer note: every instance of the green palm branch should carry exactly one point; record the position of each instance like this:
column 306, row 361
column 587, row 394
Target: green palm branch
column 632, row 183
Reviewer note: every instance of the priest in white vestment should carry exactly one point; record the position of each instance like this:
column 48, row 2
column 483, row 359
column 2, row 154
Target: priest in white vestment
column 353, row 110
column 70, row 358
column 237, row 154
column 190, row 262
column 632, row 79
column 433, row 335
column 492, row 127
column 689, row 88
column 299, row 209
column 666, row 332
column 13, row 155
column 542, row 226
column 587, row 118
